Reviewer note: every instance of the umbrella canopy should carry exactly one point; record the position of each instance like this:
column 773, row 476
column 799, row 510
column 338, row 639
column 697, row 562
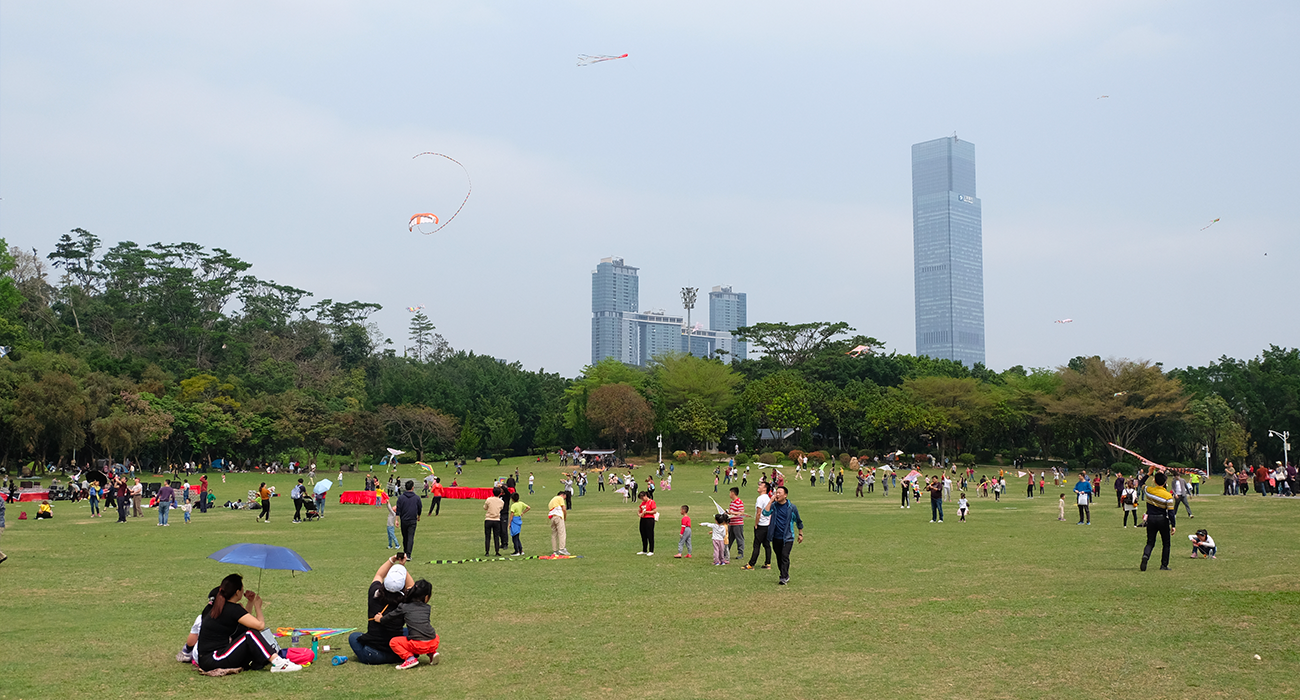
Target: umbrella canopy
column 262, row 556
column 322, row 486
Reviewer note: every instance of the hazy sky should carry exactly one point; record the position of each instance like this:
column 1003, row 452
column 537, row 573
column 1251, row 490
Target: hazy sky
column 764, row 145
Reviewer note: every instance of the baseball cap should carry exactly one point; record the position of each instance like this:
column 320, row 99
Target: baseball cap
column 395, row 581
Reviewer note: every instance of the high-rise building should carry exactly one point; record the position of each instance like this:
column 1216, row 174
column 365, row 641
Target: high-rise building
column 614, row 290
column 948, row 251
column 727, row 313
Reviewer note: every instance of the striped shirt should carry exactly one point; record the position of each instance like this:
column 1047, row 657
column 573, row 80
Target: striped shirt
column 736, row 512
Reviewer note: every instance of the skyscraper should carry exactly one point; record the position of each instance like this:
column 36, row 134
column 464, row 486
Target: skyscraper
column 727, row 313
column 614, row 290
column 948, row 251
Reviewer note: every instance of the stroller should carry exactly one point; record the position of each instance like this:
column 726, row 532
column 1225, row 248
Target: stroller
column 309, row 511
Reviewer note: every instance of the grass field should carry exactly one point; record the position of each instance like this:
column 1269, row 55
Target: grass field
column 881, row 603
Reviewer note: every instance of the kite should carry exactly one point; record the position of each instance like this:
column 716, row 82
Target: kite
column 425, row 218
column 721, row 510
column 585, row 60
column 4, row 349
column 413, row 309
column 1148, row 463
column 1119, row 394
column 1066, row 320
column 859, row 350
column 418, row 219
column 317, row 632
column 425, row 467
column 1104, row 97
column 912, row 475
column 1021, row 474
column 1209, row 224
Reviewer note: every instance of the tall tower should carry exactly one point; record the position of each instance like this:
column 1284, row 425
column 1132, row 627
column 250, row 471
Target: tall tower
column 727, row 313
column 948, row 251
column 614, row 291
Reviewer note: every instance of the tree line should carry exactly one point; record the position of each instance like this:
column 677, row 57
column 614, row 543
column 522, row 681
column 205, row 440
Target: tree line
column 174, row 352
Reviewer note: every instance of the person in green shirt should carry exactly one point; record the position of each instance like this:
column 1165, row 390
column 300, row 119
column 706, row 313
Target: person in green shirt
column 517, row 510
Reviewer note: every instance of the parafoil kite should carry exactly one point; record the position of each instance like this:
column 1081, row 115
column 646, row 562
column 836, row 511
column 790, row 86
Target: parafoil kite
column 585, row 60
column 1104, row 97
column 413, row 309
column 859, row 350
column 1209, row 224
column 418, row 219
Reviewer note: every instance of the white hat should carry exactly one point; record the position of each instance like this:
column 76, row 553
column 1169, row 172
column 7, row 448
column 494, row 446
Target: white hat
column 395, row 581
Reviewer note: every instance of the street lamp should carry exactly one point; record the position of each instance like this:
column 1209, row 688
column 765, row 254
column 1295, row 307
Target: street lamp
column 1285, row 437
column 661, row 448
column 1207, row 461
column 688, row 301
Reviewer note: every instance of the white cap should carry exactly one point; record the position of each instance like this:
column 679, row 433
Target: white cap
column 395, row 581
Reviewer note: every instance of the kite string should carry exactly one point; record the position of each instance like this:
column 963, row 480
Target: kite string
column 467, row 192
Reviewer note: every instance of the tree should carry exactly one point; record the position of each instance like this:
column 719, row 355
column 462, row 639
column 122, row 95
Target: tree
column 51, row 412
column 700, row 422
column 467, row 445
column 503, row 428
column 133, row 424
column 1214, row 422
column 607, row 371
column 619, row 412
column 421, row 333
column 420, row 427
column 794, row 344
column 1117, row 400
column 960, row 404
column 684, row 378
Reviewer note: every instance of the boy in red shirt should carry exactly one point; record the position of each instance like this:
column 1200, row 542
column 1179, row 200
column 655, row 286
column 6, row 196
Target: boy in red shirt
column 686, row 534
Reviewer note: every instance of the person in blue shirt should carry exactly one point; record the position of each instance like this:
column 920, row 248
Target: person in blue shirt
column 1083, row 494
column 781, row 530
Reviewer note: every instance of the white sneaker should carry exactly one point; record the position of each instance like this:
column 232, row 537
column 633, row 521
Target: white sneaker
column 565, row 552
column 285, row 666
column 640, row 552
column 649, row 554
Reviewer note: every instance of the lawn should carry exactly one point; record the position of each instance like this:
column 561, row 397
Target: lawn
column 881, row 603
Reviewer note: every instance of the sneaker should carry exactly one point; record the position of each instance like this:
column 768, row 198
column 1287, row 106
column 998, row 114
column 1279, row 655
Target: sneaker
column 1165, row 568
column 747, row 567
column 677, row 555
column 565, row 552
column 640, row 552
column 285, row 666
column 782, row 581
column 687, row 556
column 1144, row 564
column 931, row 521
column 649, row 554
column 767, row 566
column 941, row 520
column 182, row 657
column 433, row 659
column 409, row 663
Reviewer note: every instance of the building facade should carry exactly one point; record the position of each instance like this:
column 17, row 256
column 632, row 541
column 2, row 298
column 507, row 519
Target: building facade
column 948, row 251
column 614, row 291
column 727, row 312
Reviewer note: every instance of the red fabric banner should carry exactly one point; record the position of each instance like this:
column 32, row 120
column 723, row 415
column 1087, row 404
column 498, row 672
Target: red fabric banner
column 467, row 492
column 365, row 498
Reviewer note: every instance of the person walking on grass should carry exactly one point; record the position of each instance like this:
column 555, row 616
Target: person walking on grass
column 1160, row 517
column 962, row 507
column 517, row 510
column 1083, row 496
column 264, row 494
column 685, row 539
column 762, row 519
column 1061, row 504
column 123, row 493
column 556, row 513
column 408, row 515
column 646, row 513
column 781, row 531
column 719, row 529
column 165, row 496
column 1181, row 491
column 935, row 487
column 136, row 490
column 392, row 527
column 299, row 491
column 492, row 508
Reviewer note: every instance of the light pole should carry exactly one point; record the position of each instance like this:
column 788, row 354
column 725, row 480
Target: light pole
column 688, row 301
column 1285, row 437
column 661, row 448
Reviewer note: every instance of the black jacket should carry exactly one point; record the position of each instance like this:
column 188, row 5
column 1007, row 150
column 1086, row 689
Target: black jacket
column 408, row 507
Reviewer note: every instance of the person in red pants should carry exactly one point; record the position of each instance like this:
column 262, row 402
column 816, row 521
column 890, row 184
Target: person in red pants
column 421, row 637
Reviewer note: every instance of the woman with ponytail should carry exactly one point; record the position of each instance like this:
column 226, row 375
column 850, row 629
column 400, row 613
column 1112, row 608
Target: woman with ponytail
column 229, row 636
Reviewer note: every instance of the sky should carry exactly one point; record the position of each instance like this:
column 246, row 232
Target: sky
column 763, row 145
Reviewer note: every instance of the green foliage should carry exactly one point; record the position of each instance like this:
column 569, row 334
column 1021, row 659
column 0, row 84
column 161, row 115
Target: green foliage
column 742, row 458
column 966, row 459
column 699, row 421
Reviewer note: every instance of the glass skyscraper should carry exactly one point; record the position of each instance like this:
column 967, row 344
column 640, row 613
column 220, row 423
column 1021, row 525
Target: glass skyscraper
column 614, row 291
column 948, row 251
column 727, row 313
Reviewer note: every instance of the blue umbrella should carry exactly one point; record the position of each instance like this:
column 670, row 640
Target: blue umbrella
column 263, row 556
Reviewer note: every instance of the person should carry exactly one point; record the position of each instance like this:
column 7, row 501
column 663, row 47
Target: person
column 781, row 530
column 1083, row 496
column 123, row 494
column 685, row 540
column 736, row 516
column 1128, row 498
column 646, row 513
column 1202, row 543
column 229, row 636
column 392, row 527
column 408, row 515
column 719, row 529
column 556, row 512
column 320, row 502
column 94, row 500
column 3, row 556
column 503, row 522
column 530, row 484
column 165, row 496
column 1159, row 518
column 420, row 636
column 297, row 495
column 906, row 495
column 517, row 510
column 1061, row 505
column 203, row 493
column 1181, row 491
column 962, row 506
column 387, row 589
column 435, row 500
column 935, row 487
column 265, row 494
column 492, row 507
column 761, row 521
column 137, row 489
column 186, row 507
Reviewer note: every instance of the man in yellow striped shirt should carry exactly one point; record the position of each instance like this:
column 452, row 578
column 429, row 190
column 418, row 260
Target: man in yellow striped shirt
column 1159, row 517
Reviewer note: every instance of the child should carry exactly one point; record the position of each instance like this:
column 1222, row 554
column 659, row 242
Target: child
column 420, row 636
column 44, row 512
column 392, row 527
column 686, row 534
column 517, row 510
column 1061, row 508
column 961, row 507
column 1202, row 543
column 719, row 538
column 186, row 508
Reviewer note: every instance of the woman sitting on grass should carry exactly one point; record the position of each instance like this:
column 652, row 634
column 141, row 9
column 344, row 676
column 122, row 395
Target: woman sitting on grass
column 230, row 637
